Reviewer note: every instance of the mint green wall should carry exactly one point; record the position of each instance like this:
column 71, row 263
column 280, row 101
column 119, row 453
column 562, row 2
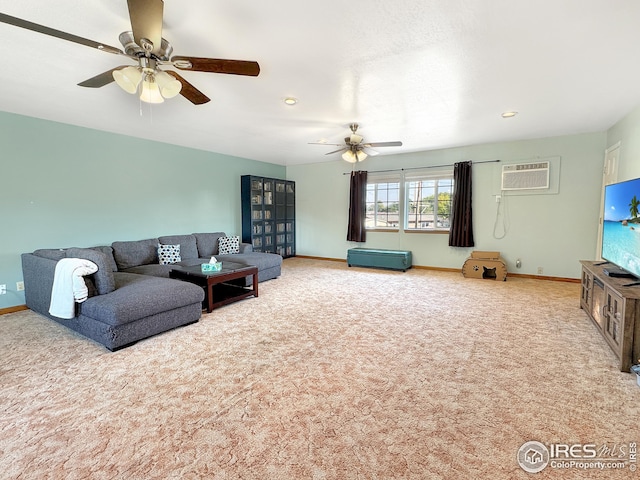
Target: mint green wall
column 64, row 186
column 549, row 231
column 627, row 132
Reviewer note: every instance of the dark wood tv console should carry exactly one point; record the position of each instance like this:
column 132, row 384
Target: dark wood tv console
column 613, row 304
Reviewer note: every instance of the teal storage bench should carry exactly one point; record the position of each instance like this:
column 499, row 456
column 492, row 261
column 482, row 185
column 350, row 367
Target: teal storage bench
column 379, row 258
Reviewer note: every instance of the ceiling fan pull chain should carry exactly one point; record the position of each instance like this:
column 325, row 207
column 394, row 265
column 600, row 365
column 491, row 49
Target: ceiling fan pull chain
column 138, row 94
column 150, row 113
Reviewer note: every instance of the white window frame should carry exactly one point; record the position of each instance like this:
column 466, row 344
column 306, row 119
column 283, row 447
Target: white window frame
column 432, row 224
column 384, row 179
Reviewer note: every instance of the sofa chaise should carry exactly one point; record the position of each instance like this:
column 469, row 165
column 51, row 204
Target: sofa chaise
column 130, row 295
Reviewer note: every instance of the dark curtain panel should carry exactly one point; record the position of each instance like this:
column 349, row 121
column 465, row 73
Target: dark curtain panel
column 357, row 207
column 461, row 232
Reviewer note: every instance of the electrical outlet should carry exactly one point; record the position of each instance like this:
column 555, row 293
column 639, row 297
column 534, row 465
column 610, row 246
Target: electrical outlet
column 20, row 286
column 3, row 289
column 540, row 270
column 498, row 198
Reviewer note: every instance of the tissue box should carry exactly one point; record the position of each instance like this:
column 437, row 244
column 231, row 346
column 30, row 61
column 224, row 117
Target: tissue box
column 211, row 267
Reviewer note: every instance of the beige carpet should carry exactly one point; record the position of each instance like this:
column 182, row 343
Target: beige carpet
column 332, row 373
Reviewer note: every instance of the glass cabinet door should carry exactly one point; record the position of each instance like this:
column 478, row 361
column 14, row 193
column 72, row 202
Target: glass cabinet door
column 268, row 213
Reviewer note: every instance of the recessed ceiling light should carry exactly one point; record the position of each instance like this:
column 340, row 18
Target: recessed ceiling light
column 509, row 114
column 290, row 101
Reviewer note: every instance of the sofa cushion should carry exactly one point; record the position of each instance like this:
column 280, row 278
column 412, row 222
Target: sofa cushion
column 51, row 253
column 208, row 243
column 168, row 254
column 157, row 270
column 103, row 278
column 133, row 253
column 188, row 247
column 246, row 248
column 152, row 269
column 260, row 260
column 108, row 251
column 269, row 265
column 189, row 262
column 227, row 245
column 92, row 291
column 140, row 296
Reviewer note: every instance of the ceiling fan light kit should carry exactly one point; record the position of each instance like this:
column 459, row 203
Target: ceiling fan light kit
column 150, row 91
column 128, row 79
column 353, row 157
column 156, row 84
column 145, row 45
column 169, row 86
column 353, row 148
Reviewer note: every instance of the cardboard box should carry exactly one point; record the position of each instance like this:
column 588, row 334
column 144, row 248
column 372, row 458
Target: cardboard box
column 485, row 265
column 485, row 255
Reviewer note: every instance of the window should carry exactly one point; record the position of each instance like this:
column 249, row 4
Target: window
column 383, row 203
column 428, row 202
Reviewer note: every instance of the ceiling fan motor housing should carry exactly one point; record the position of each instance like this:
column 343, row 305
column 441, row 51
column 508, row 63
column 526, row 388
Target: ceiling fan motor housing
column 355, row 139
column 133, row 49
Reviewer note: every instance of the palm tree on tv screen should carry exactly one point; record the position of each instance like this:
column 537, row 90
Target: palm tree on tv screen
column 633, row 207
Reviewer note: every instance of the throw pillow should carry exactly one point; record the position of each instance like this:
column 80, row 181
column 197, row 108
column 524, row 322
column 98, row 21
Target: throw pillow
column 228, row 245
column 168, row 254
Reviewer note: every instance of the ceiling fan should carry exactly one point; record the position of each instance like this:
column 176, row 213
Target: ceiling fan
column 152, row 53
column 355, row 149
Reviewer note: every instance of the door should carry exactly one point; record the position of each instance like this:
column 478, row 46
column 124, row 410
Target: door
column 609, row 176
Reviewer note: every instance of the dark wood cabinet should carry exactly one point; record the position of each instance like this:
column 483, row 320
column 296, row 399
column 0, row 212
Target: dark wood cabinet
column 269, row 214
column 613, row 305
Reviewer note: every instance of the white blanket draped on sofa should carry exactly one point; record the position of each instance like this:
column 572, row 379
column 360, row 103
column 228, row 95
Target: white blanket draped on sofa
column 69, row 286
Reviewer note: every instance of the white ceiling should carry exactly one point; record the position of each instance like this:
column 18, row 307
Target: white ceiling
column 431, row 73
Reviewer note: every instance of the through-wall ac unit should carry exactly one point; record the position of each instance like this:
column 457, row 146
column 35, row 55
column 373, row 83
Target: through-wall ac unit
column 525, row 176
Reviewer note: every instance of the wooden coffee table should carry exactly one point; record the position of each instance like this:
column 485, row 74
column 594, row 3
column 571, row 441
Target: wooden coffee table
column 218, row 291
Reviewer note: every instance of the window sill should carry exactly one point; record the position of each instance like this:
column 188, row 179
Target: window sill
column 434, row 231
column 383, row 230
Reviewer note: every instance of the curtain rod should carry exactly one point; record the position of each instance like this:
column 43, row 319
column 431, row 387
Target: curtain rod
column 422, row 168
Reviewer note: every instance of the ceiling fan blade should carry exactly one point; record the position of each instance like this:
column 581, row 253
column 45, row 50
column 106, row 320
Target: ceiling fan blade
column 188, row 91
column 215, row 65
column 101, row 80
column 369, row 151
column 336, row 151
column 146, row 22
column 322, row 143
column 384, row 144
column 18, row 22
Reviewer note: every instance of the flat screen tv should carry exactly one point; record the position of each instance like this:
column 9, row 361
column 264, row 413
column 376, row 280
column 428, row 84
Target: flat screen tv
column 621, row 228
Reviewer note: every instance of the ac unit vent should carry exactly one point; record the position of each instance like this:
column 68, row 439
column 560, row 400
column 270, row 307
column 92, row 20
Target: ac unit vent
column 525, row 176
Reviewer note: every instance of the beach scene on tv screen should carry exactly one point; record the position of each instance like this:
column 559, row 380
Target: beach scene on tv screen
column 621, row 226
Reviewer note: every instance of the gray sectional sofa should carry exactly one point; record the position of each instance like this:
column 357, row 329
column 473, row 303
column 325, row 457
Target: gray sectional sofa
column 131, row 296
